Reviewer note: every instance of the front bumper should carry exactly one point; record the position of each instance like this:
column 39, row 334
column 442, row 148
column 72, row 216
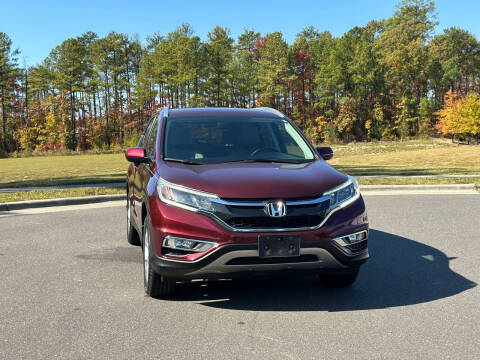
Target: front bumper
column 219, row 263
column 237, row 253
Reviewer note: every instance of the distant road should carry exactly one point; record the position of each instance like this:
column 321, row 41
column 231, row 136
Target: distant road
column 71, row 287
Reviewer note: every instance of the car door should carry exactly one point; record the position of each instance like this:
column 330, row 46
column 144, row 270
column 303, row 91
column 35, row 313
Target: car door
column 145, row 171
column 135, row 188
column 132, row 190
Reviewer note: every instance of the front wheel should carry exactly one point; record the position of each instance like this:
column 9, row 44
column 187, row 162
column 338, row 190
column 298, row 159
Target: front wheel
column 155, row 285
column 340, row 279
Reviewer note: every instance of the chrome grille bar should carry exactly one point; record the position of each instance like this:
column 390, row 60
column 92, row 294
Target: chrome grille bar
column 262, row 203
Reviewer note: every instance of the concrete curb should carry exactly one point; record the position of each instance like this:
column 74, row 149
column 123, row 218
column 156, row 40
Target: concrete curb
column 19, row 205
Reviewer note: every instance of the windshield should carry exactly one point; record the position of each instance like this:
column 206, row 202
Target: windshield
column 216, row 140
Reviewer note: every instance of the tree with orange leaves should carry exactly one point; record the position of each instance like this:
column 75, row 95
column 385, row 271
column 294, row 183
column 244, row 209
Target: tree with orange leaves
column 447, row 115
column 460, row 117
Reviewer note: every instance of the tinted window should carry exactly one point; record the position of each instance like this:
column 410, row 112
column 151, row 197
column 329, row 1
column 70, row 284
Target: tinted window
column 213, row 140
column 142, row 141
column 151, row 137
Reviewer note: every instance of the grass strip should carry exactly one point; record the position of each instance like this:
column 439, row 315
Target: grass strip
column 416, row 181
column 57, row 194
column 413, row 157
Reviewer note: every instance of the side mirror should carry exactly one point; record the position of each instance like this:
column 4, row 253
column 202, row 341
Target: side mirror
column 325, row 152
column 136, row 155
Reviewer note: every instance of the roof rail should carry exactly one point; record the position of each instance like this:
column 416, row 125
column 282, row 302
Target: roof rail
column 271, row 110
column 165, row 111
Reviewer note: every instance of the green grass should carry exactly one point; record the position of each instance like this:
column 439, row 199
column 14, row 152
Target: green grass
column 56, row 194
column 57, row 170
column 417, row 181
column 415, row 157
column 406, row 158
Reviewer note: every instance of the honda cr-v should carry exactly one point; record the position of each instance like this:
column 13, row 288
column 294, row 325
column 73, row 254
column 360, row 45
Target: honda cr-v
column 219, row 193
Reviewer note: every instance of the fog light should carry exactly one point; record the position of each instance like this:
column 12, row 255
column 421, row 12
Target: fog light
column 352, row 238
column 176, row 243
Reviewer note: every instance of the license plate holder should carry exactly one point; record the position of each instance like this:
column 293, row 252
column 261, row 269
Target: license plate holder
column 278, row 245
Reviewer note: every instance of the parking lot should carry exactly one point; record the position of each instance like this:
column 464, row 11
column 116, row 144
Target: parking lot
column 71, row 287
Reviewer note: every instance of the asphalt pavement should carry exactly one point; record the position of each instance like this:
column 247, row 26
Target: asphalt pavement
column 71, row 287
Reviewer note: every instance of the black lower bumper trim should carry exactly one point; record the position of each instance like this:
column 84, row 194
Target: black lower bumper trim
column 181, row 269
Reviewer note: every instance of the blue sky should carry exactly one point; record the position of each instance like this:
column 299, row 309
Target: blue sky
column 37, row 26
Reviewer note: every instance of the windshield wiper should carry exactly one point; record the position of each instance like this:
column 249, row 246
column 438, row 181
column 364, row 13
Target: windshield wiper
column 188, row 162
column 269, row 161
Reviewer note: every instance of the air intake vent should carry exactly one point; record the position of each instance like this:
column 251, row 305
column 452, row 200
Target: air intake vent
column 287, row 222
column 254, row 260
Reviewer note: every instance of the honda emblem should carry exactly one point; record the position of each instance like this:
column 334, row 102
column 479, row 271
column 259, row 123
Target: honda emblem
column 276, row 209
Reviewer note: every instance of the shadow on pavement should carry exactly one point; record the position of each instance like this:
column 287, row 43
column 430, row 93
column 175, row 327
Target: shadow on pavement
column 66, row 180
column 400, row 272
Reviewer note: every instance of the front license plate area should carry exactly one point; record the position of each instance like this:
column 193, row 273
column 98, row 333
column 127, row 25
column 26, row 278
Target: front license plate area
column 278, row 245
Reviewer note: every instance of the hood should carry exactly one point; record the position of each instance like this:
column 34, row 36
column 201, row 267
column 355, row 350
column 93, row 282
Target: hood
column 255, row 180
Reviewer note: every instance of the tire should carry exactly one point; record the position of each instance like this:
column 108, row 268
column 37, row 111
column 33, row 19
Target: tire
column 155, row 285
column 340, row 279
column 132, row 235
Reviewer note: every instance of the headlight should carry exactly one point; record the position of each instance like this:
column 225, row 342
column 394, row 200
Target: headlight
column 184, row 197
column 344, row 194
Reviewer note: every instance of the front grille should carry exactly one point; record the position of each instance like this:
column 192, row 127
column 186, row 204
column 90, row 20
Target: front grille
column 254, row 260
column 251, row 215
column 263, row 222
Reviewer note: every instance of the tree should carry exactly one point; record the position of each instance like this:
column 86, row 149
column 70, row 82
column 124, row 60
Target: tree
column 70, row 66
column 272, row 53
column 460, row 117
column 8, row 72
column 388, row 79
column 455, row 62
column 404, row 53
column 301, row 67
column 246, row 73
column 327, row 73
column 219, row 55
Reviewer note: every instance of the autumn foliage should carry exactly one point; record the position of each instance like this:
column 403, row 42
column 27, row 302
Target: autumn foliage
column 389, row 79
column 460, row 117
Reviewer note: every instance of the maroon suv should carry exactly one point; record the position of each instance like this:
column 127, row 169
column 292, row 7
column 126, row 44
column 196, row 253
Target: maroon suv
column 216, row 193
